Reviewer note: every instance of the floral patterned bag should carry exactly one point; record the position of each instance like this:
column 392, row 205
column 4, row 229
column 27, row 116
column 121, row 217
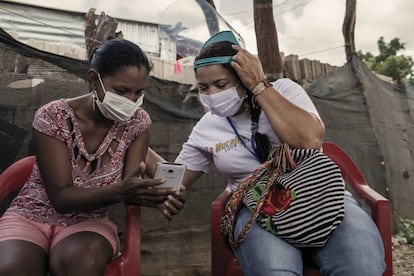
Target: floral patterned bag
column 297, row 194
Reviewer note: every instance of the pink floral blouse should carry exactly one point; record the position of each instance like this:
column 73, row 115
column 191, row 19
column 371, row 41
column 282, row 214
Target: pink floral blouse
column 58, row 120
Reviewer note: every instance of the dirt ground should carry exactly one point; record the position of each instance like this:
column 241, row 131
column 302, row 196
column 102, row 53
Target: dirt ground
column 402, row 257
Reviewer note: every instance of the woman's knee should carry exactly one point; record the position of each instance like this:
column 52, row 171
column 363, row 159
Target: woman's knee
column 22, row 258
column 262, row 253
column 80, row 253
column 355, row 238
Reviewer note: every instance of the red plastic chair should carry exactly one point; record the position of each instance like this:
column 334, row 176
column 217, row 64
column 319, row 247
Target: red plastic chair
column 128, row 263
column 224, row 262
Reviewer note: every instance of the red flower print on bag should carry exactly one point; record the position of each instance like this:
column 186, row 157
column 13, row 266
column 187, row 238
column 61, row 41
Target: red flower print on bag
column 278, row 200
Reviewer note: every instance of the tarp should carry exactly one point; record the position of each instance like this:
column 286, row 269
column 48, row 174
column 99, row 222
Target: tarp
column 373, row 121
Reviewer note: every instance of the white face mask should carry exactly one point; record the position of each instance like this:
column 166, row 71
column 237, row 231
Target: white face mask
column 225, row 103
column 115, row 107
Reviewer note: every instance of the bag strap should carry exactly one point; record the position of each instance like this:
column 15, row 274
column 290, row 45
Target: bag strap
column 279, row 161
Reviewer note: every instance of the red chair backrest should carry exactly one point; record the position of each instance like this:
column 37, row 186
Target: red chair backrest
column 14, row 177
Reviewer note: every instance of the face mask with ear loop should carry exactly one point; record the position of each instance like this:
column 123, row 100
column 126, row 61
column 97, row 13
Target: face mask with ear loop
column 225, row 103
column 115, row 107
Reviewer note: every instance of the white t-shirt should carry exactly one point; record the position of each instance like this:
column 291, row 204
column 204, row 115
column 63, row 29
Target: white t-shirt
column 213, row 141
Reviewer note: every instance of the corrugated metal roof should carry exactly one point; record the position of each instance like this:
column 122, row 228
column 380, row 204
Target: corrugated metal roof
column 39, row 23
column 26, row 23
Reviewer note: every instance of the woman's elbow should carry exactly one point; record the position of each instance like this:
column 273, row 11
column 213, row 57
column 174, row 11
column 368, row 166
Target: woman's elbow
column 314, row 139
column 313, row 143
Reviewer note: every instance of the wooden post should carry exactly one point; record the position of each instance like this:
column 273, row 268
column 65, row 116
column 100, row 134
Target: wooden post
column 97, row 33
column 348, row 28
column 266, row 39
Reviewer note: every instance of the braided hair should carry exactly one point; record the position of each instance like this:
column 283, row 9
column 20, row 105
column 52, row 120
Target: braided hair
column 223, row 48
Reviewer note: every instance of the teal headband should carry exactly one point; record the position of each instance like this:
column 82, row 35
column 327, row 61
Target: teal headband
column 218, row 37
column 212, row 60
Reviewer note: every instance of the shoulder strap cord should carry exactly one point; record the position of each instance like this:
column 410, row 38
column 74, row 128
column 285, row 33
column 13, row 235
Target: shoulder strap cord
column 254, row 151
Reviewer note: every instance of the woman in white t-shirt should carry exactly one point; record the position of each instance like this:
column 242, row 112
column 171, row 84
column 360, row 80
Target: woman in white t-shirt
column 246, row 116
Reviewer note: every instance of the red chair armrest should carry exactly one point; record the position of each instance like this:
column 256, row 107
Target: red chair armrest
column 223, row 261
column 129, row 263
column 217, row 208
column 379, row 206
column 221, row 200
column 381, row 214
column 132, row 247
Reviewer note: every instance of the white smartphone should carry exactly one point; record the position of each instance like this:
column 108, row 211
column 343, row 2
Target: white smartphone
column 173, row 173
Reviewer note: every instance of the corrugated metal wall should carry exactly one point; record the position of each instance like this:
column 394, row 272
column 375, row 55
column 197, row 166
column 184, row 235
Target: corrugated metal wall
column 29, row 23
column 146, row 36
column 36, row 23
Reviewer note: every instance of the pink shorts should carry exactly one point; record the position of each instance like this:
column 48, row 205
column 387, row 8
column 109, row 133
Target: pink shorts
column 16, row 227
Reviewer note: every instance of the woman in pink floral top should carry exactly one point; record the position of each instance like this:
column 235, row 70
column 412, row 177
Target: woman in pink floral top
column 90, row 152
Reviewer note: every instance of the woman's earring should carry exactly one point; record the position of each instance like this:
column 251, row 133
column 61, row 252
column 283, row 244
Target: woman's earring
column 93, row 100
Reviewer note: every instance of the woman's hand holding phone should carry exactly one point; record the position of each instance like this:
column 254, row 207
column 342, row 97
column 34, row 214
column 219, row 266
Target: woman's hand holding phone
column 173, row 174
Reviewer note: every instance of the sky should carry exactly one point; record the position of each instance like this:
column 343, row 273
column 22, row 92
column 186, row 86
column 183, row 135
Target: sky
column 308, row 28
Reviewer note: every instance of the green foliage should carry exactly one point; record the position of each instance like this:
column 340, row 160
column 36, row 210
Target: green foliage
column 407, row 230
column 388, row 63
column 396, row 67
